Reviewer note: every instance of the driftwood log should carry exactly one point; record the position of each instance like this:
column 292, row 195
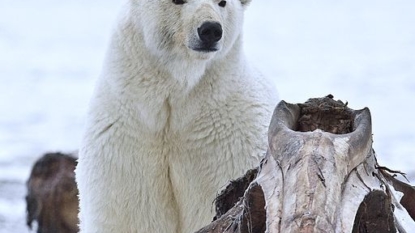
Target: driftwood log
column 52, row 195
column 320, row 174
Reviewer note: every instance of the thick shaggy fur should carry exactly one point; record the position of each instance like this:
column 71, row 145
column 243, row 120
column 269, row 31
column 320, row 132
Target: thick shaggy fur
column 169, row 125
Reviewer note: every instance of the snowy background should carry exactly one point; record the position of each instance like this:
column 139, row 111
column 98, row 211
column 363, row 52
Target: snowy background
column 51, row 52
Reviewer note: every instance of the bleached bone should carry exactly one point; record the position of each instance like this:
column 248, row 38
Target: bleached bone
column 315, row 182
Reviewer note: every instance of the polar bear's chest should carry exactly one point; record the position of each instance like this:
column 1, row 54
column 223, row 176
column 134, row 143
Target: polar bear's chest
column 187, row 122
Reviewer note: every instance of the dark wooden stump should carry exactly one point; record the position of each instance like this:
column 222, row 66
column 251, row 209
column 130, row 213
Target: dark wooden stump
column 52, row 199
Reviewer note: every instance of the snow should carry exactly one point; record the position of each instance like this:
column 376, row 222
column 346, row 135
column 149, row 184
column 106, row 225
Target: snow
column 361, row 52
column 51, row 52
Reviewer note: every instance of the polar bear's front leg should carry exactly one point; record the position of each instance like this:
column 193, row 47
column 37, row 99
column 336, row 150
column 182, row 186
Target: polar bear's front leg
column 125, row 188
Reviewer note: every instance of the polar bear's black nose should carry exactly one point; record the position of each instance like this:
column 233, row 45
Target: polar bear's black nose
column 210, row 32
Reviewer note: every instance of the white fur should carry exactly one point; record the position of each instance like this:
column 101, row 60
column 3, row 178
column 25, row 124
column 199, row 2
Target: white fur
column 169, row 126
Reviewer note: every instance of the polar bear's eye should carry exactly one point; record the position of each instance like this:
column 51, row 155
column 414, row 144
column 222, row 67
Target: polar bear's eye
column 178, row 2
column 222, row 3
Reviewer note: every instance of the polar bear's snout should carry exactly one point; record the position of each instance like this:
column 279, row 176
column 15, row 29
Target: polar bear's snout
column 209, row 33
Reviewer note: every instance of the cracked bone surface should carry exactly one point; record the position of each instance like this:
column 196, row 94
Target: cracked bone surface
column 320, row 174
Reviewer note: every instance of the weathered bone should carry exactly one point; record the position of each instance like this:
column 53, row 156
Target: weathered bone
column 313, row 166
column 316, row 181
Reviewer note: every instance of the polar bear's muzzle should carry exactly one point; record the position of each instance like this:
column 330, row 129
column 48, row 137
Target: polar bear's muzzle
column 209, row 33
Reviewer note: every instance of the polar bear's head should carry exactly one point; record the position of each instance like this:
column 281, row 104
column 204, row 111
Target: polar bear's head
column 198, row 28
column 185, row 35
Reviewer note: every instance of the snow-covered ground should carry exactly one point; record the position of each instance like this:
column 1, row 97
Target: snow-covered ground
column 51, row 53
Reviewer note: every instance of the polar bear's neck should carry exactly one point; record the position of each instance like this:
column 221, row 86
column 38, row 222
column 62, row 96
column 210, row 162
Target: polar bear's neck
column 130, row 56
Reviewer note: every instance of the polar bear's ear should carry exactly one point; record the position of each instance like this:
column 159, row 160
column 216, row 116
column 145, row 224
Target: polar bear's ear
column 245, row 2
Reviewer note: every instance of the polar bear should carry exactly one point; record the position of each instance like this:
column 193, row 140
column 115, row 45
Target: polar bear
column 176, row 113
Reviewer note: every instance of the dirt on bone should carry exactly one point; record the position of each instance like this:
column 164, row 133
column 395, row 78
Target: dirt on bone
column 326, row 114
